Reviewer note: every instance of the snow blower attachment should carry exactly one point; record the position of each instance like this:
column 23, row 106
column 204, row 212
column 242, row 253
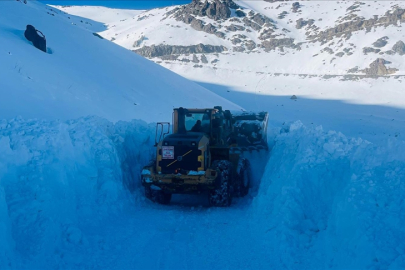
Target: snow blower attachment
column 204, row 154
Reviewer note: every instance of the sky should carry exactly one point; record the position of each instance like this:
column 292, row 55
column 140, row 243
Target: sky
column 126, row 4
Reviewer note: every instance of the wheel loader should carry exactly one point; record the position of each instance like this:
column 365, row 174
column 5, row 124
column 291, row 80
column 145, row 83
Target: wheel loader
column 204, row 153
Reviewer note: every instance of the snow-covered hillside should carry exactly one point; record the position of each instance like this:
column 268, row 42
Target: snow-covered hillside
column 83, row 74
column 261, row 53
column 324, row 37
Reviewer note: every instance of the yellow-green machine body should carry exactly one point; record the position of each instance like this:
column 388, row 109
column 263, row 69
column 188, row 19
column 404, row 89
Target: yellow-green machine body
column 203, row 146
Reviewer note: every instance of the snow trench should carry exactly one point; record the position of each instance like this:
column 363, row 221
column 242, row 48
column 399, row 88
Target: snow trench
column 320, row 199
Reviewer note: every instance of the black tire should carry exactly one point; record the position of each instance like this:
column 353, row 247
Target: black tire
column 242, row 183
column 221, row 196
column 157, row 196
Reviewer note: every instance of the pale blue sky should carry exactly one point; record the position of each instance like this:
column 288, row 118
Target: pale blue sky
column 127, row 4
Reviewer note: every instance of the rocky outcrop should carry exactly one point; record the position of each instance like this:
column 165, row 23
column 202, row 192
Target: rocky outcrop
column 381, row 42
column 238, row 49
column 302, row 23
column 196, row 23
column 295, row 7
column 204, row 59
column 139, row 41
column 399, row 47
column 378, row 68
column 353, row 70
column 219, row 34
column 250, row 45
column 367, row 50
column 358, row 23
column 282, row 15
column 214, row 9
column 240, row 13
column 252, row 24
column 195, row 59
column 164, row 50
column 266, row 34
column 261, row 19
column 169, row 57
column 236, row 41
column 273, row 44
column 234, row 28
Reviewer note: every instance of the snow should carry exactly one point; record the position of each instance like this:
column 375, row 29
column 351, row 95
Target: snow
column 70, row 191
column 335, row 201
column 101, row 14
column 322, row 197
column 370, row 108
column 84, row 75
column 145, row 172
column 196, row 173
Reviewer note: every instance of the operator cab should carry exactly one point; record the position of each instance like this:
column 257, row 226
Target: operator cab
column 192, row 120
column 195, row 132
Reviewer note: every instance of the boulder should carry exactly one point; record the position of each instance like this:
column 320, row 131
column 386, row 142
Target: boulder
column 378, row 68
column 195, row 59
column 381, row 42
column 295, row 7
column 204, row 59
column 399, row 47
column 367, row 50
column 36, row 37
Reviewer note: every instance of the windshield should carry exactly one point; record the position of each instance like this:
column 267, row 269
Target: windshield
column 198, row 122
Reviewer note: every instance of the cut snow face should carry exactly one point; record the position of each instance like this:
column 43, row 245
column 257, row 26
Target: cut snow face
column 55, row 175
column 65, row 186
column 83, row 74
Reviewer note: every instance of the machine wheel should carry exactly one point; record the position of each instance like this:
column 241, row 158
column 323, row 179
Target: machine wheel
column 242, row 183
column 222, row 194
column 157, row 196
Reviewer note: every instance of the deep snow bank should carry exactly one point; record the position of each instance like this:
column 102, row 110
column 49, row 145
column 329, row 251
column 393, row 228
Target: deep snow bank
column 324, row 201
column 53, row 174
column 328, row 201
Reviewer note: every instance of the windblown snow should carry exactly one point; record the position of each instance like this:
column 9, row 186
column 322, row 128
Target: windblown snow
column 76, row 128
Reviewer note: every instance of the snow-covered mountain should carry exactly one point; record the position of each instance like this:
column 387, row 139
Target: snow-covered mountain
column 324, row 37
column 258, row 54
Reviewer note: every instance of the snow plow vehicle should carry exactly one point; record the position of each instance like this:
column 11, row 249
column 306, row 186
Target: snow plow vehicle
column 204, row 153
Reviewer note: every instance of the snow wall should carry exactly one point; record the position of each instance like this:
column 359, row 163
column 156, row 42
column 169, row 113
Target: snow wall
column 328, row 201
column 324, row 200
column 54, row 173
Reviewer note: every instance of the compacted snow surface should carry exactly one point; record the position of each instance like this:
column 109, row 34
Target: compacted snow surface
column 70, row 193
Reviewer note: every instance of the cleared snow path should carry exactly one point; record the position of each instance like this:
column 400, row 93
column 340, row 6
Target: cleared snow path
column 65, row 203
